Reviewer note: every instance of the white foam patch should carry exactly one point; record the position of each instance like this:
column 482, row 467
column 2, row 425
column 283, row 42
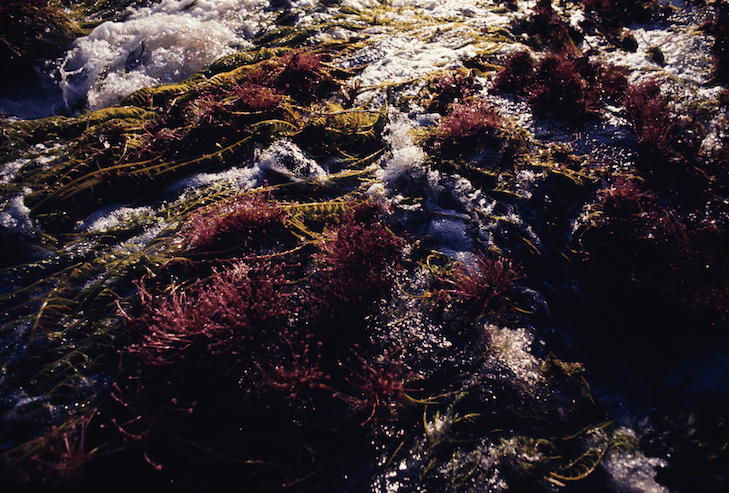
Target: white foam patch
column 510, row 350
column 394, row 56
column 111, row 217
column 407, row 158
column 45, row 154
column 139, row 242
column 286, row 158
column 15, row 215
column 11, row 168
column 525, row 182
column 401, row 58
column 360, row 4
column 241, row 178
column 687, row 53
column 164, row 43
column 405, row 162
column 633, row 472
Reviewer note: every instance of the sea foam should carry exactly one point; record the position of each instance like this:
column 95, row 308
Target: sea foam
column 165, row 43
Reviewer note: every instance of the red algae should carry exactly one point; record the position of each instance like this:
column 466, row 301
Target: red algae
column 234, row 224
column 517, row 74
column 217, row 105
column 302, row 76
column 293, row 368
column 659, row 131
column 567, row 86
column 483, row 286
column 639, row 238
column 467, row 121
column 64, row 454
column 218, row 319
column 452, row 88
column 352, row 258
column 381, row 386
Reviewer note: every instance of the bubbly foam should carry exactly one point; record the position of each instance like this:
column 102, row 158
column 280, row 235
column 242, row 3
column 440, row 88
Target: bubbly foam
column 511, row 352
column 286, row 158
column 633, row 473
column 15, row 215
column 167, row 42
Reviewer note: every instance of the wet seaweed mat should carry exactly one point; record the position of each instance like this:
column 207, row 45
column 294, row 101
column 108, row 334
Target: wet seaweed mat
column 372, row 246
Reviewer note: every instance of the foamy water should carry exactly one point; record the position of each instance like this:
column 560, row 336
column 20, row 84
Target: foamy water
column 167, row 42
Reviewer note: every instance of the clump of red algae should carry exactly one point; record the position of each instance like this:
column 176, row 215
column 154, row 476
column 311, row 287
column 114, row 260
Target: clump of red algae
column 567, row 86
column 469, row 127
column 298, row 73
column 302, row 76
column 157, row 141
column 64, row 454
column 625, row 199
column 256, row 97
column 517, row 74
column 483, row 285
column 292, row 368
column 217, row 105
column 246, row 330
column 351, row 259
column 452, row 88
column 381, row 385
column 467, row 121
column 217, row 319
column 657, row 129
column 639, row 239
column 235, row 223
column 547, row 29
